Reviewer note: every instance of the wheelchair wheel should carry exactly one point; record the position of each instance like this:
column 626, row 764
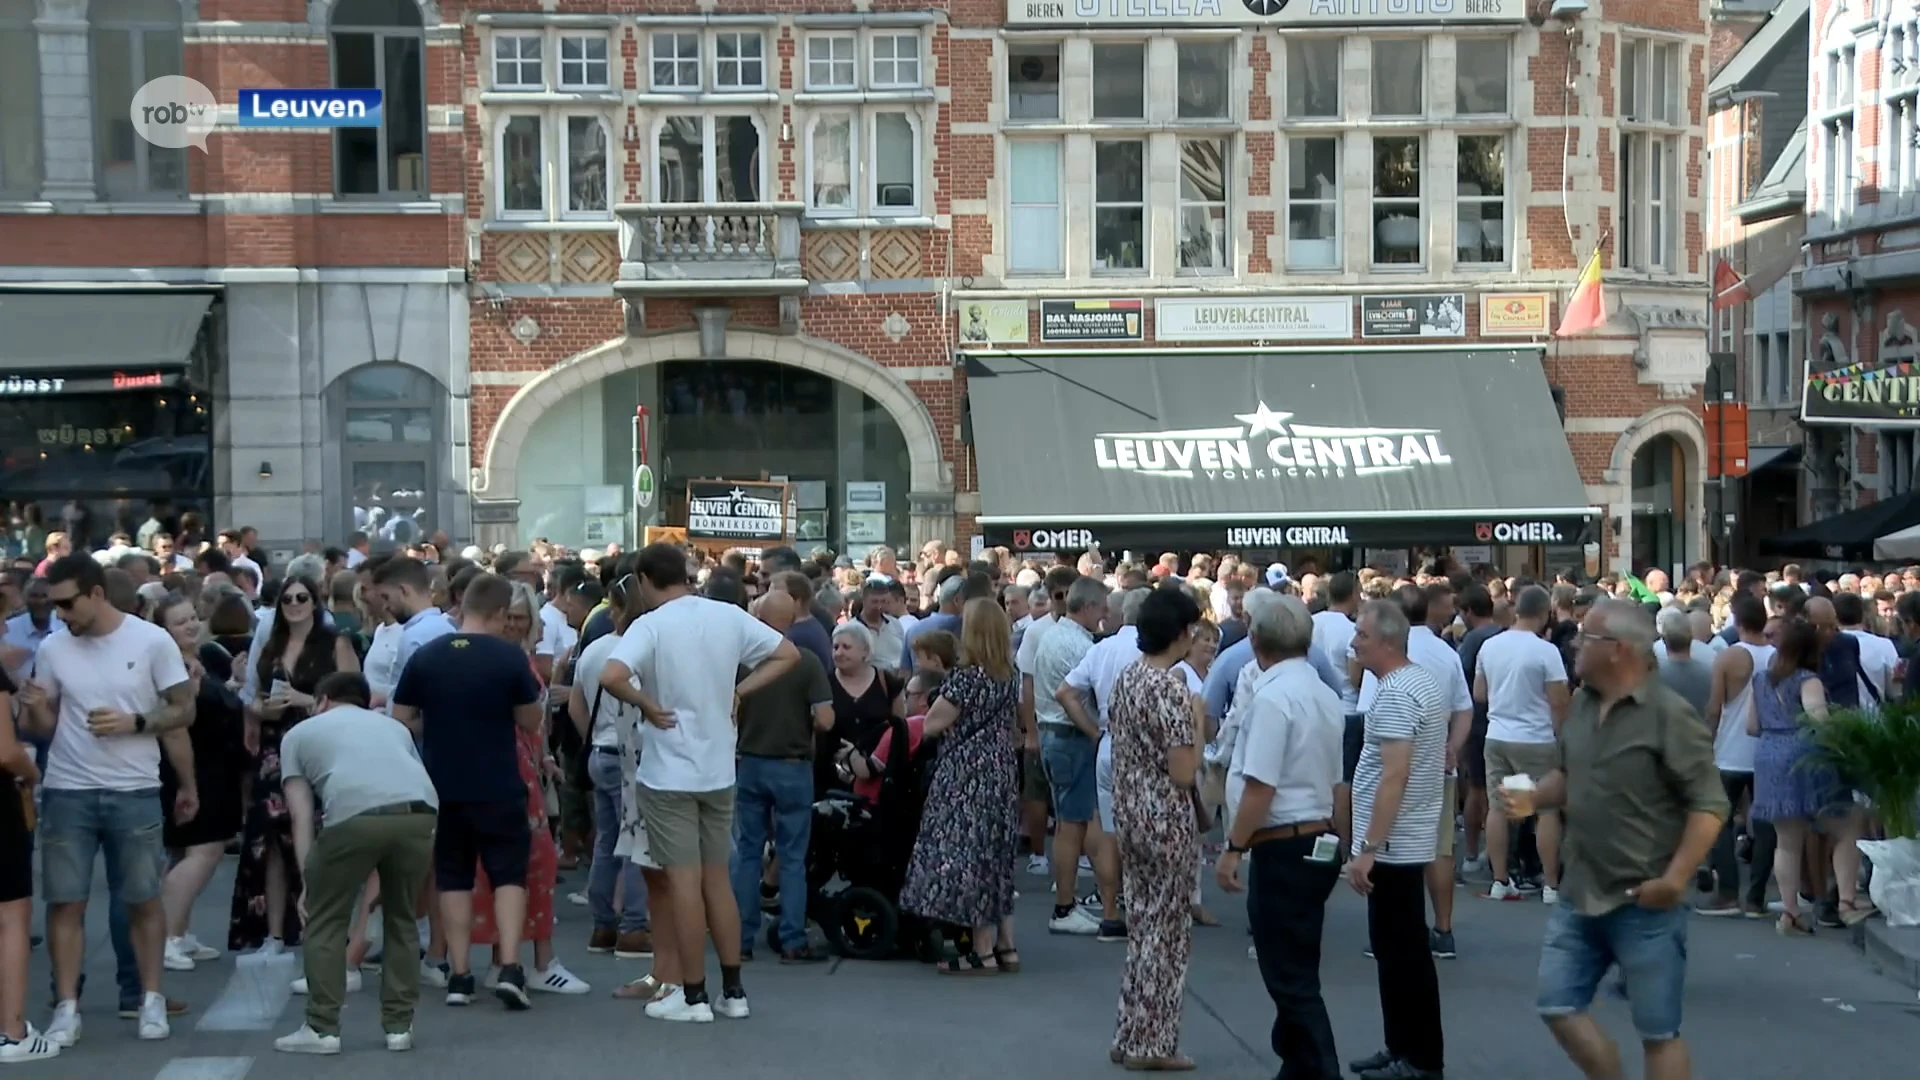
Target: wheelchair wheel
column 864, row 925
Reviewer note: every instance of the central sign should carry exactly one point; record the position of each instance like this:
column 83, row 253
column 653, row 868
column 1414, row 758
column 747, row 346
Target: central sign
column 1268, row 445
column 1028, row 13
column 736, row 510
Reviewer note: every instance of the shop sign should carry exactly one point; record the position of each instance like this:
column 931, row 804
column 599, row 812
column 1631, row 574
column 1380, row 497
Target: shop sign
column 866, row 527
column 1292, row 536
column 993, row 322
column 1884, row 391
column 15, row 386
column 1421, row 315
column 1091, row 320
column 866, row 495
column 1254, row 318
column 1269, row 445
column 1470, row 557
column 1054, row 540
column 36, row 385
column 68, row 435
column 1517, row 532
column 1290, row 13
column 1514, row 314
column 736, row 510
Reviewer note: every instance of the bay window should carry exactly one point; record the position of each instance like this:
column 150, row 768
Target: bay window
column 1313, row 203
column 1205, row 229
column 1119, row 205
column 1399, row 212
column 1480, row 200
column 710, row 158
column 1034, row 218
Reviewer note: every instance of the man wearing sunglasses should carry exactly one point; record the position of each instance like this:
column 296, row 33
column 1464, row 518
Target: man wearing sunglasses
column 106, row 693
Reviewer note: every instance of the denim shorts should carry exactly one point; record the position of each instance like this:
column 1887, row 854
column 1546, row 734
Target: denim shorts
column 1068, row 756
column 1649, row 947
column 126, row 826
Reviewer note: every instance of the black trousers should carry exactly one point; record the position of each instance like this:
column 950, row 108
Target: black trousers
column 1726, row 866
column 1287, row 907
column 1409, row 986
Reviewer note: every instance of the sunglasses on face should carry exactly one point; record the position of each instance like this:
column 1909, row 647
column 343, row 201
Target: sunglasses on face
column 65, row 603
column 295, row 598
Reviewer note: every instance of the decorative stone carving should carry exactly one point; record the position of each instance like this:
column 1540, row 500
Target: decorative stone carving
column 1897, row 340
column 790, row 314
column 896, row 327
column 525, row 330
column 1833, row 349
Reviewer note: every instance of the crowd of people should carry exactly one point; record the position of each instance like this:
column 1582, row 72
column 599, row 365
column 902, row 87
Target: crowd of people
column 404, row 751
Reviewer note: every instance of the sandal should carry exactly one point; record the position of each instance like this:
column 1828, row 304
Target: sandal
column 1794, row 926
column 1857, row 911
column 968, row 963
column 1007, row 960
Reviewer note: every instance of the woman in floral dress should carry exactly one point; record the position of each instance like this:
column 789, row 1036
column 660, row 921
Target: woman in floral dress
column 961, row 871
column 1153, row 724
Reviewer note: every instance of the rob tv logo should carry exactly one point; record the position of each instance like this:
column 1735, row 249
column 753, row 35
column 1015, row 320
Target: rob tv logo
column 176, row 112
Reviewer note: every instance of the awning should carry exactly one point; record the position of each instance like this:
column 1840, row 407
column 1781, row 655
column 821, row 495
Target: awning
column 1899, row 546
column 1849, row 536
column 1772, row 457
column 1236, row 451
column 68, row 331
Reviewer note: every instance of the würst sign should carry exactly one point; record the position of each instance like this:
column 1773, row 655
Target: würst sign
column 1029, row 13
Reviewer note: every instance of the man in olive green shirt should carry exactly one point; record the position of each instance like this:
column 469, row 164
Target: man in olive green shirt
column 1643, row 804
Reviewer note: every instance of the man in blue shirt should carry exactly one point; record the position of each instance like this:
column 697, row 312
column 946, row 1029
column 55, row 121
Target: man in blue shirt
column 947, row 617
column 1217, row 691
column 407, row 586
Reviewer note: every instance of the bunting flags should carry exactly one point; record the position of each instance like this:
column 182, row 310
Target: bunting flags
column 1861, row 371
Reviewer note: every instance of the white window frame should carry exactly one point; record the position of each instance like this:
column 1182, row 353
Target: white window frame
column 544, row 166
column 1057, row 47
column 515, row 41
column 1059, row 207
column 1420, row 200
column 709, row 176
column 739, row 62
column 556, row 164
column 874, row 60
column 852, row 209
column 676, row 35
column 1339, row 82
column 1651, row 138
column 1226, row 74
column 1145, row 204
column 1225, row 252
column 1504, row 200
column 563, row 158
column 864, row 155
column 1334, row 201
column 869, row 183
column 831, row 40
column 1425, row 107
column 1641, row 60
column 583, row 62
column 1093, row 83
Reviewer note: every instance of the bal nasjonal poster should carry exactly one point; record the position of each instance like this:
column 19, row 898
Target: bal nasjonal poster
column 736, row 510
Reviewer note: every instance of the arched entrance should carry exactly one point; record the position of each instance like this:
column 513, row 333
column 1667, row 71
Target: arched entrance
column 1657, row 470
column 570, row 429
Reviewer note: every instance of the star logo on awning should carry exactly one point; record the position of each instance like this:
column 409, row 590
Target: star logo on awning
column 1264, row 419
column 738, row 493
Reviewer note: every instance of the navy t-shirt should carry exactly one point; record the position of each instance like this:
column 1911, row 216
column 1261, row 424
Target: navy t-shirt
column 466, row 687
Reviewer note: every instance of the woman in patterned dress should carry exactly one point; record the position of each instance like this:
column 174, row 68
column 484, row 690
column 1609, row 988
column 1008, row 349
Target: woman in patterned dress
column 961, row 871
column 1154, row 723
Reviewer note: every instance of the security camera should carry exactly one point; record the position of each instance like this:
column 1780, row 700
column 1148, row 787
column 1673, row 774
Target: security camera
column 1567, row 10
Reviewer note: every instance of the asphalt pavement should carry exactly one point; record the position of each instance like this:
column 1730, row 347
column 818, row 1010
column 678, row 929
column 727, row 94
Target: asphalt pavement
column 1758, row 1007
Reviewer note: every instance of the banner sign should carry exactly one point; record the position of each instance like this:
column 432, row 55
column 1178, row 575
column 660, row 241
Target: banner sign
column 1514, row 315
column 1254, row 318
column 1421, row 315
column 736, row 510
column 1330, row 531
column 1287, row 13
column 1866, row 392
column 1091, row 320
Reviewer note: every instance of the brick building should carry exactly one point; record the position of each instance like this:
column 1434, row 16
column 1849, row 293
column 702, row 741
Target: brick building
column 774, row 226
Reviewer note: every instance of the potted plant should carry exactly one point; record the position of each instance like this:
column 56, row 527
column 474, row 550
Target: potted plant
column 1877, row 752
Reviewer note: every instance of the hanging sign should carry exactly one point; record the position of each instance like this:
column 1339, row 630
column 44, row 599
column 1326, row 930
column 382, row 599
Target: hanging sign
column 736, row 510
column 643, row 487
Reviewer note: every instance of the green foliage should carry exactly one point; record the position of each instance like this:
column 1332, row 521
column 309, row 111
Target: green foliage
column 1879, row 754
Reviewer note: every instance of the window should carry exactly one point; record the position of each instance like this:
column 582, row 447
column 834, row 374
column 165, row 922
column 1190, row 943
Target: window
column 1399, row 220
column 1204, row 68
column 379, row 44
column 1480, row 76
column 1034, row 220
column 1897, row 457
column 1313, row 78
column 391, row 417
column 712, row 158
column 676, row 60
column 1902, row 82
column 896, row 60
column 877, row 151
column 134, row 42
column 522, row 168
column 1119, row 82
column 895, row 175
column 1649, row 82
column 516, row 62
column 830, row 63
column 739, row 61
column 1033, row 81
column 1840, row 80
column 1119, row 205
column 20, row 90
column 589, row 190
column 1313, row 203
column 1650, row 113
column 583, row 62
column 1480, row 215
column 1399, row 76
column 831, row 176
column 1204, row 225
column 540, row 152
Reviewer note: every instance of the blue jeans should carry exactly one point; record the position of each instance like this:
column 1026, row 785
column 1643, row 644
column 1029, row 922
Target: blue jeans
column 74, row 823
column 782, row 790
column 1650, row 948
column 607, row 776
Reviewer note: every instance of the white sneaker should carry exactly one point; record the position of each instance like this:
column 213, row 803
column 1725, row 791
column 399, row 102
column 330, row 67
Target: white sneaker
column 64, row 1029
column 353, row 983
column 153, row 1018
column 1475, row 865
column 558, row 980
column 307, row 1041
column 400, row 1041
column 197, row 949
column 177, row 957
column 33, row 1047
column 1502, row 890
column 577, row 899
column 674, row 1007
column 1549, row 895
column 432, row 974
column 1038, row 866
column 732, row 1007
column 1077, row 922
column 273, row 946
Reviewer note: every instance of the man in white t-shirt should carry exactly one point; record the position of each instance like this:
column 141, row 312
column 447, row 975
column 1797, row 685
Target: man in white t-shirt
column 1523, row 682
column 677, row 664
column 107, row 692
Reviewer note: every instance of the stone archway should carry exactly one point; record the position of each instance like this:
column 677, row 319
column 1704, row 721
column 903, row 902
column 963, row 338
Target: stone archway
column 1685, row 427
column 496, row 483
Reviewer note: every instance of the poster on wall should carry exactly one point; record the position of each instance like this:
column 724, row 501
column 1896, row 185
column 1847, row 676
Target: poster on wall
column 1091, row 320
column 1514, row 314
column 1253, row 318
column 736, row 510
column 993, row 322
column 1422, row 315
column 866, row 527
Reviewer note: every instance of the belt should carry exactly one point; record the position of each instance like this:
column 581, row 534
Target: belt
column 606, row 749
column 395, row 809
column 1288, row 832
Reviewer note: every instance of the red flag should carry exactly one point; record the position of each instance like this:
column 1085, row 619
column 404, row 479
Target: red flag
column 1587, row 308
column 1729, row 288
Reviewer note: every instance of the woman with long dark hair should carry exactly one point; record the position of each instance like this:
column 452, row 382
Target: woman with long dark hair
column 299, row 652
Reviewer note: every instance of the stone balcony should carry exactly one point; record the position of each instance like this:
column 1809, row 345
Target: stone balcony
column 707, row 249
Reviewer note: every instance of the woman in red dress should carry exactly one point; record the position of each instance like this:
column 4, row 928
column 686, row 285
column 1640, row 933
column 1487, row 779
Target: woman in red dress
column 548, row 974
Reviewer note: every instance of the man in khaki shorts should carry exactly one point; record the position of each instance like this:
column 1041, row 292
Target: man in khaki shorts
column 1524, row 684
column 677, row 664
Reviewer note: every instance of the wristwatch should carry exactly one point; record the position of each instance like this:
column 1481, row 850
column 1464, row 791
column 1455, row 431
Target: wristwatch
column 140, row 723
column 1368, row 847
column 1237, row 849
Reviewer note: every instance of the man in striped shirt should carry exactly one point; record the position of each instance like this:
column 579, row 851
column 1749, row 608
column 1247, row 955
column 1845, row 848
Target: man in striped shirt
column 1398, row 791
